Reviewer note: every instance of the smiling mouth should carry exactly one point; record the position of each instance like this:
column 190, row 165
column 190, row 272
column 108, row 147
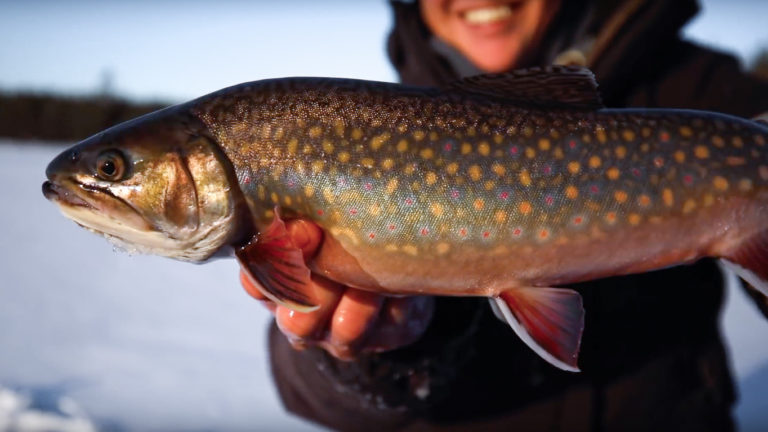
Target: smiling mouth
column 488, row 14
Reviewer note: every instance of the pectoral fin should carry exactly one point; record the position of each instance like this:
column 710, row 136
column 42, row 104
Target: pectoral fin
column 549, row 320
column 275, row 264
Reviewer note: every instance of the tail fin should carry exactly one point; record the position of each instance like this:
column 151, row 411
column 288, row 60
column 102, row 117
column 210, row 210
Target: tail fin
column 549, row 320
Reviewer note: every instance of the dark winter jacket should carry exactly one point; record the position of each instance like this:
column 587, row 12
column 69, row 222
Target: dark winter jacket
column 652, row 355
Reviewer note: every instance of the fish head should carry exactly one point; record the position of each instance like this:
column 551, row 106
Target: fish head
column 157, row 184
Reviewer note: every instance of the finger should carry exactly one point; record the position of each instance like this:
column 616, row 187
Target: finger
column 310, row 325
column 403, row 321
column 356, row 312
column 306, row 235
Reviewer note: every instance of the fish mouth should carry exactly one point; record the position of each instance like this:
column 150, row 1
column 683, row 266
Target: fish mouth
column 92, row 206
column 61, row 195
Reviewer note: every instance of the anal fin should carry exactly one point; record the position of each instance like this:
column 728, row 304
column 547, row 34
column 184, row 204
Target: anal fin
column 549, row 320
column 271, row 261
column 750, row 261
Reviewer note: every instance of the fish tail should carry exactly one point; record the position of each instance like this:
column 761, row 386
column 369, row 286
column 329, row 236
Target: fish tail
column 749, row 261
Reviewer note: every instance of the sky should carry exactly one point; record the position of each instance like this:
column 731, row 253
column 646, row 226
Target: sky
column 124, row 334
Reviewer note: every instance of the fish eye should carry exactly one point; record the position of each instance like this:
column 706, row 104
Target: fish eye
column 110, row 165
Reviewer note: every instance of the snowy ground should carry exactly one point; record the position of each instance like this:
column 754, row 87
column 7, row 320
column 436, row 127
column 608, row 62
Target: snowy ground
column 139, row 342
column 145, row 343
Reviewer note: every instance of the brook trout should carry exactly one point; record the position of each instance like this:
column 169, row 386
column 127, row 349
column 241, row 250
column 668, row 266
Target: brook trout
column 507, row 186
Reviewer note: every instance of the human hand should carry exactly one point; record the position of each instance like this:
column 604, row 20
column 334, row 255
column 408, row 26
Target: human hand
column 349, row 321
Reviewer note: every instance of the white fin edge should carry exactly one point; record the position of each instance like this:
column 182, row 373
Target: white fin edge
column 522, row 333
column 748, row 275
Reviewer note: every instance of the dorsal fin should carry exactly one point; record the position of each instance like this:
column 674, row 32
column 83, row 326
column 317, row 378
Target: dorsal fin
column 544, row 87
column 762, row 118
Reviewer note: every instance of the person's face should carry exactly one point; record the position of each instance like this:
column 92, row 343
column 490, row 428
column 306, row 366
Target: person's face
column 492, row 34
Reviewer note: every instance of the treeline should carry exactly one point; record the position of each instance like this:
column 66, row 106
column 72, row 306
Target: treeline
column 59, row 118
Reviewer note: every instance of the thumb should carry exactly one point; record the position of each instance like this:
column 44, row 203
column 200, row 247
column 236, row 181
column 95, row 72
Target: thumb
column 305, row 235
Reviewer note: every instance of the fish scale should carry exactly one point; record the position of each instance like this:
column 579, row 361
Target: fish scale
column 478, row 174
column 508, row 186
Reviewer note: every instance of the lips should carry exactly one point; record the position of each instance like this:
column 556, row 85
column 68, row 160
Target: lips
column 62, row 195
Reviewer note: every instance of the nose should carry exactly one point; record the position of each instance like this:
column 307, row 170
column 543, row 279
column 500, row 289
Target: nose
column 66, row 161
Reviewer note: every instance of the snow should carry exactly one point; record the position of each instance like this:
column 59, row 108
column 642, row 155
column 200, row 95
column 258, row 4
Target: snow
column 143, row 342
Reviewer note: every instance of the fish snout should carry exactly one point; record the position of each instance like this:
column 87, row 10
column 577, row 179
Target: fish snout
column 49, row 191
column 66, row 162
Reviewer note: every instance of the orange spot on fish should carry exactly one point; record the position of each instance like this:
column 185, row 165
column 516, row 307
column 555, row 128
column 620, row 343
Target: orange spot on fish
column 478, row 204
column 620, row 196
column 525, row 207
column 634, row 219
column 668, row 197
column 543, row 234
column 320, row 212
column 664, row 136
column 720, row 183
column 571, row 192
column 610, row 217
column 644, row 200
column 701, row 152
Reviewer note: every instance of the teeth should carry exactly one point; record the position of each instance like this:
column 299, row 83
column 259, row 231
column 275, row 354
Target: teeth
column 488, row 14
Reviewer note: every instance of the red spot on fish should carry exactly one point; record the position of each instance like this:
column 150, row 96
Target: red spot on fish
column 516, row 232
column 424, row 231
column 455, row 193
column 636, row 172
column 658, row 161
column 688, row 179
column 547, row 169
column 578, row 220
column 543, row 234
column 320, row 212
column 486, row 234
column 664, row 136
column 247, row 180
column 408, row 201
column 514, row 150
column 353, row 211
column 572, row 144
column 368, row 186
column 391, row 227
column 342, row 182
column 371, row 235
column 463, row 232
column 549, row 200
column 504, row 195
column 594, row 189
column 447, row 146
